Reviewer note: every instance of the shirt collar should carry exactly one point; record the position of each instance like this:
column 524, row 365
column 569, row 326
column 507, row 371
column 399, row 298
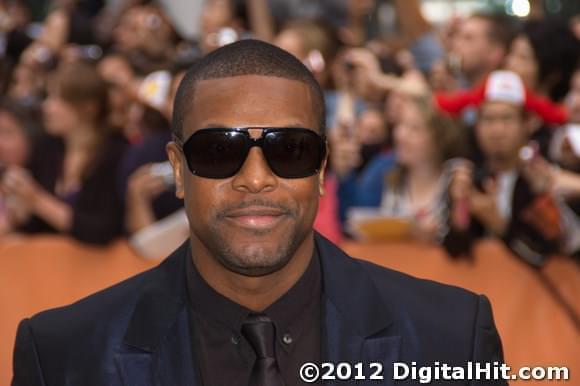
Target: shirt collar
column 294, row 311
column 208, row 302
column 287, row 312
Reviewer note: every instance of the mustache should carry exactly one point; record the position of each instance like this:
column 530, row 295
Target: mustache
column 286, row 209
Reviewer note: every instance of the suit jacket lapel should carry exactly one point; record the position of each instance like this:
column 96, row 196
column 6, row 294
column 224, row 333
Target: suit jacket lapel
column 358, row 325
column 157, row 346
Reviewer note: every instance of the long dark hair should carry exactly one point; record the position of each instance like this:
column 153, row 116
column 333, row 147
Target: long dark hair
column 556, row 50
column 79, row 83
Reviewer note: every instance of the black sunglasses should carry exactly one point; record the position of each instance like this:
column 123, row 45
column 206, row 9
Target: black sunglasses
column 221, row 152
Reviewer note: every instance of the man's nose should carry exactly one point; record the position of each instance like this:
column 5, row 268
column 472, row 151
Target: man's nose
column 255, row 176
column 497, row 125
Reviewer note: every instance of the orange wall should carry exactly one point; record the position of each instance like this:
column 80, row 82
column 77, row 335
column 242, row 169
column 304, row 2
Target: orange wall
column 529, row 306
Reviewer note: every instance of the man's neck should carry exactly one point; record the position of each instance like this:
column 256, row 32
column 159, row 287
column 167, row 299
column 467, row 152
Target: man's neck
column 501, row 165
column 254, row 293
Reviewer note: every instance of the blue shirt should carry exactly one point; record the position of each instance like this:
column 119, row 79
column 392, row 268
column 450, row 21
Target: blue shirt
column 365, row 188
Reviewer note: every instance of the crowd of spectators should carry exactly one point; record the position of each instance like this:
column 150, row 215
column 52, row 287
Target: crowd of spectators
column 443, row 133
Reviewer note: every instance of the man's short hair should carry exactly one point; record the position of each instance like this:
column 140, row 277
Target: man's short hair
column 245, row 57
column 500, row 30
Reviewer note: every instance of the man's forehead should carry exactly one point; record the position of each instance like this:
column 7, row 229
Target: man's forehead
column 251, row 100
column 476, row 26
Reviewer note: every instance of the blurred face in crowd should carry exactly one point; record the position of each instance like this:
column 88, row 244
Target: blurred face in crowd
column 125, row 34
column 289, row 40
column 254, row 221
column 25, row 83
column 14, row 146
column 307, row 42
column 144, row 29
column 216, row 14
column 61, row 117
column 30, row 73
column 371, row 127
column 18, row 12
column 154, row 32
column 116, row 71
column 413, row 140
column 573, row 100
column 522, row 61
column 219, row 25
column 76, row 101
column 501, row 130
column 474, row 47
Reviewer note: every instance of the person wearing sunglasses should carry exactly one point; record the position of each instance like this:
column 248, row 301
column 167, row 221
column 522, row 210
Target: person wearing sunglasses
column 255, row 292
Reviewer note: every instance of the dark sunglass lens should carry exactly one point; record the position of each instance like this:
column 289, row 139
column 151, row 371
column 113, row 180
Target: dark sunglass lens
column 294, row 153
column 215, row 154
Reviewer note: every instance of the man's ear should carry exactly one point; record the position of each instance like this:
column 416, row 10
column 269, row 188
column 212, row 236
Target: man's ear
column 174, row 155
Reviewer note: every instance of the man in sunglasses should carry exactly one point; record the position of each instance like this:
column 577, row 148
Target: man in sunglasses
column 255, row 293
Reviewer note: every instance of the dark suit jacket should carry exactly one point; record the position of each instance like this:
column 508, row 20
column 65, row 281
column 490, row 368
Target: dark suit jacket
column 136, row 333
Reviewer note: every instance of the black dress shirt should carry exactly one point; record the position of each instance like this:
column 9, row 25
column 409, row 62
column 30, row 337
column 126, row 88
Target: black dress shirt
column 223, row 357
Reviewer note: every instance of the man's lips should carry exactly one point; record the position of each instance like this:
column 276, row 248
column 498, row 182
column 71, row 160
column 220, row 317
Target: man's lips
column 256, row 217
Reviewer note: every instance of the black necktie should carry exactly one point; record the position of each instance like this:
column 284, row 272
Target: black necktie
column 259, row 330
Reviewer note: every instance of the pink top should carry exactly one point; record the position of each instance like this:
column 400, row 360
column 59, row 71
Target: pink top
column 326, row 222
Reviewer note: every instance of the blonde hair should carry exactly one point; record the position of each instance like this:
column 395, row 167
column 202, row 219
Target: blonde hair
column 447, row 134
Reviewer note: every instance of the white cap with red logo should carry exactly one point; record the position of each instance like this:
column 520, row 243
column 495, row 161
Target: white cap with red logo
column 505, row 86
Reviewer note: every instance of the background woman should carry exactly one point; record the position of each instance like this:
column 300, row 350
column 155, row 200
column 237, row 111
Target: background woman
column 70, row 184
column 416, row 188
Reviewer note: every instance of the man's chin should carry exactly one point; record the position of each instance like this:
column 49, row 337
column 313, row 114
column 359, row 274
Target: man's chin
column 255, row 260
column 251, row 254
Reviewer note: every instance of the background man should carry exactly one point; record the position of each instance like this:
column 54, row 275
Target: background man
column 508, row 195
column 481, row 44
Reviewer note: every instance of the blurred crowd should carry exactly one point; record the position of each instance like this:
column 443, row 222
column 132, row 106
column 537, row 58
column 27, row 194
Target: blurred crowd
column 442, row 133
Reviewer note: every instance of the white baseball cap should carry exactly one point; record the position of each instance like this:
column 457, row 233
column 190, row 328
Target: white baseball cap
column 505, row 86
